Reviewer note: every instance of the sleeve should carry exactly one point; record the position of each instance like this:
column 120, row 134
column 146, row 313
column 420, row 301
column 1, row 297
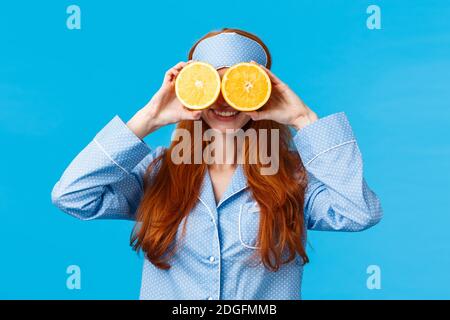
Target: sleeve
column 337, row 196
column 105, row 180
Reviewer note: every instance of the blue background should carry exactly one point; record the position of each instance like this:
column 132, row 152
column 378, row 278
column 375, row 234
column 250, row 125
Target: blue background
column 58, row 87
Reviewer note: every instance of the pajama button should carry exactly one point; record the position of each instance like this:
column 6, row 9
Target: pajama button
column 211, row 259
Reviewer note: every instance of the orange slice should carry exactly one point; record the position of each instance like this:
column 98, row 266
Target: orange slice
column 197, row 85
column 246, row 87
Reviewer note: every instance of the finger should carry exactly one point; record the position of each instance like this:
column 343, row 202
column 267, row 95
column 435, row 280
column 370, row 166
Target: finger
column 273, row 78
column 260, row 115
column 168, row 78
column 175, row 70
column 171, row 74
column 191, row 114
column 180, row 65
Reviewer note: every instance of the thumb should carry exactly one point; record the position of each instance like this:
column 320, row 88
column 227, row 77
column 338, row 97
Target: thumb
column 191, row 114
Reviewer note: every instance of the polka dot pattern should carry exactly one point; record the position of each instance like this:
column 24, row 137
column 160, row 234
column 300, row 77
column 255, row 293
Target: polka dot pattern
column 215, row 259
column 227, row 49
column 338, row 198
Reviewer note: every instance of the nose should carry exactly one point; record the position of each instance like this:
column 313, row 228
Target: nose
column 221, row 101
column 221, row 104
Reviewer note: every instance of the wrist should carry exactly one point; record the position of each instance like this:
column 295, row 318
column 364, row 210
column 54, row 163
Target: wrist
column 304, row 120
column 144, row 122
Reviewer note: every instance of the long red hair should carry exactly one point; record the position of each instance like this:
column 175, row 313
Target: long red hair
column 171, row 192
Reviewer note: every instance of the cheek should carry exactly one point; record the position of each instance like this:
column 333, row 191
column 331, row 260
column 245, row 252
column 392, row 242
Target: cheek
column 242, row 119
column 206, row 118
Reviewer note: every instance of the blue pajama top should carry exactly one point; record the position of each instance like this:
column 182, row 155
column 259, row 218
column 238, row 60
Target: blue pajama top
column 105, row 181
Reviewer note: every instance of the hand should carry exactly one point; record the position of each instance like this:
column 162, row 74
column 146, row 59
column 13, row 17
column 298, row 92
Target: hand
column 164, row 107
column 284, row 106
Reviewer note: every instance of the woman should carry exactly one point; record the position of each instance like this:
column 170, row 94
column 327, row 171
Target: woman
column 223, row 230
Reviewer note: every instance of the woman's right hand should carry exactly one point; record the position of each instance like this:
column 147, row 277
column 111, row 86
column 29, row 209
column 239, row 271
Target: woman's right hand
column 164, row 107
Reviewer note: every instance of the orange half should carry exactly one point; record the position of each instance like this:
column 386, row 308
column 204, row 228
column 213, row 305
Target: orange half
column 197, row 85
column 246, row 87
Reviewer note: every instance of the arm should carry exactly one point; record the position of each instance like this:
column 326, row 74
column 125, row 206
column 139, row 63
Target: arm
column 106, row 179
column 337, row 198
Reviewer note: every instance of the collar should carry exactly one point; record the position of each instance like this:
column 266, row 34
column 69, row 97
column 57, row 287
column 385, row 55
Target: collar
column 237, row 184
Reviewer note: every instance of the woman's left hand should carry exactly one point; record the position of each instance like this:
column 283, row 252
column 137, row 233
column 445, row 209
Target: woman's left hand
column 284, row 106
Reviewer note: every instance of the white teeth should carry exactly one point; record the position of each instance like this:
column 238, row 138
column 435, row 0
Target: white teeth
column 225, row 113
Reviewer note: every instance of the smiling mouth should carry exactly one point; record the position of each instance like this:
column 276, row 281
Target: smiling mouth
column 225, row 113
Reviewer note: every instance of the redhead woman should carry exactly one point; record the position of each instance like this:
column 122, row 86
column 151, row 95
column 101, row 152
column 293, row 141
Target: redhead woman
column 223, row 230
